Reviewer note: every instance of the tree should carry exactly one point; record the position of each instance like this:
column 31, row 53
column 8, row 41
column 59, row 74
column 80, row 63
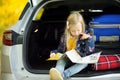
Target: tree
column 10, row 11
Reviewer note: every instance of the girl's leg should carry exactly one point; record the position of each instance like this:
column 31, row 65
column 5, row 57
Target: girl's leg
column 73, row 70
column 61, row 63
column 57, row 72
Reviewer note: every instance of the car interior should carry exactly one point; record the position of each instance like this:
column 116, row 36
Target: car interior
column 44, row 34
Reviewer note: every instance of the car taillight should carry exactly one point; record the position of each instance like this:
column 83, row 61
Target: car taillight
column 7, row 38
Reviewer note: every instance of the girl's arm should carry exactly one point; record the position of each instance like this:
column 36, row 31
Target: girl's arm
column 89, row 45
column 61, row 47
column 85, row 44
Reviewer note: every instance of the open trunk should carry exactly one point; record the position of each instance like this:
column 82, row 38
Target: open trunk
column 44, row 34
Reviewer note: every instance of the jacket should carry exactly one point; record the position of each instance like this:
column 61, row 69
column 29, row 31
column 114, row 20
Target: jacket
column 83, row 47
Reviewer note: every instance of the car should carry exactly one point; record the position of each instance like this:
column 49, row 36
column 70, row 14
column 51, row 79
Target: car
column 27, row 44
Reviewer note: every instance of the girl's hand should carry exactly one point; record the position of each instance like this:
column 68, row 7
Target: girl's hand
column 84, row 36
column 52, row 55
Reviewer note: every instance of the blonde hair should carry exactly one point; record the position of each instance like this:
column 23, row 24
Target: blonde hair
column 73, row 19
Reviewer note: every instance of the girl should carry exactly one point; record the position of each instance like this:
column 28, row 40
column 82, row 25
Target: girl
column 74, row 38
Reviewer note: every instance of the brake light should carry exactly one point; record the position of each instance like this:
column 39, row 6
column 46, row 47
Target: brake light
column 7, row 38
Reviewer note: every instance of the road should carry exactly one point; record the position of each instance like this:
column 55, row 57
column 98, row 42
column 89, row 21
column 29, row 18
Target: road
column 4, row 76
column 0, row 63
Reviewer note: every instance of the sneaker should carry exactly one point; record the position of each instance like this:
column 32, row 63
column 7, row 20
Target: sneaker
column 55, row 74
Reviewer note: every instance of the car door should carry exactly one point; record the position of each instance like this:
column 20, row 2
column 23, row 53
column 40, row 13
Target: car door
column 34, row 2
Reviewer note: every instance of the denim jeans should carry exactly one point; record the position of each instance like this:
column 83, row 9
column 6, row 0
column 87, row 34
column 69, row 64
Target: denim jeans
column 66, row 73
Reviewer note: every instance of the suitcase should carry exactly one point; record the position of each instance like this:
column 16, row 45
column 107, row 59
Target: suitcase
column 107, row 32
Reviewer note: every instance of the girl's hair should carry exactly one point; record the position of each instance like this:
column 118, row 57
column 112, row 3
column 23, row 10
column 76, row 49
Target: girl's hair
column 73, row 19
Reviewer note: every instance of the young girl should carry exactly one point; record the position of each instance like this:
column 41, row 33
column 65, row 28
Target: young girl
column 76, row 38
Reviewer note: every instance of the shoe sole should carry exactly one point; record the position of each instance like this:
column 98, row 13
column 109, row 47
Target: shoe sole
column 55, row 74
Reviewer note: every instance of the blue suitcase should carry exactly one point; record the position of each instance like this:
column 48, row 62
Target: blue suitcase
column 106, row 27
column 107, row 33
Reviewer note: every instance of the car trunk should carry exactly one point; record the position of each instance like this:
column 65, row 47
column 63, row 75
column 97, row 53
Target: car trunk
column 44, row 36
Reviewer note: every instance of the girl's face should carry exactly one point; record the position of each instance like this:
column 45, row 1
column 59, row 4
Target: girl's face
column 76, row 30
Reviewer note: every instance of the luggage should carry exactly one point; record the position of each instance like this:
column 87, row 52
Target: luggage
column 107, row 33
column 106, row 28
column 107, row 19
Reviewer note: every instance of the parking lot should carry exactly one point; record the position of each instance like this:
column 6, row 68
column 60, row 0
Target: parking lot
column 4, row 76
column 0, row 63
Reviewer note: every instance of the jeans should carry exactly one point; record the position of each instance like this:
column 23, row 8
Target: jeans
column 66, row 73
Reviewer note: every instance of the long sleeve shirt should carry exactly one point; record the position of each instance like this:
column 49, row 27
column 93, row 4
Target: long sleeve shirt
column 83, row 47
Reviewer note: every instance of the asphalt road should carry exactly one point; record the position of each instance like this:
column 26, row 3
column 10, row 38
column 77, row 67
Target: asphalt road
column 4, row 76
column 0, row 63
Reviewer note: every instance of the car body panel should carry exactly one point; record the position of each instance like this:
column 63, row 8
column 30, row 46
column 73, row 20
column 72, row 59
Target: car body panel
column 34, row 2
